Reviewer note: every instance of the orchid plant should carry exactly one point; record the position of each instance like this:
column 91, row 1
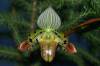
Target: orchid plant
column 48, row 38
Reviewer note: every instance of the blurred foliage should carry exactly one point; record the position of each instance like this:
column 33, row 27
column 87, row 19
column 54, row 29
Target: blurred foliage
column 72, row 13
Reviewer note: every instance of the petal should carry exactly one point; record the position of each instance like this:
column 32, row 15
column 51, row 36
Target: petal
column 71, row 48
column 49, row 19
column 24, row 46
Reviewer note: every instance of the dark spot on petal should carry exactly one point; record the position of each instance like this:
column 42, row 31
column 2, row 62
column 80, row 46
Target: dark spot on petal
column 65, row 41
column 29, row 34
column 34, row 31
column 30, row 40
column 40, row 32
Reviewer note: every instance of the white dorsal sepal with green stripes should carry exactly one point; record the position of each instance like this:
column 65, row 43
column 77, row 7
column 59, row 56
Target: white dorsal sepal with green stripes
column 49, row 19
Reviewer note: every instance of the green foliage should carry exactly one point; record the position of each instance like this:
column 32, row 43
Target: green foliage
column 94, row 38
column 15, row 24
column 9, row 53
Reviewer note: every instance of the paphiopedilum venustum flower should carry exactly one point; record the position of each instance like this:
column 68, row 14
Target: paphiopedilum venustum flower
column 47, row 38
